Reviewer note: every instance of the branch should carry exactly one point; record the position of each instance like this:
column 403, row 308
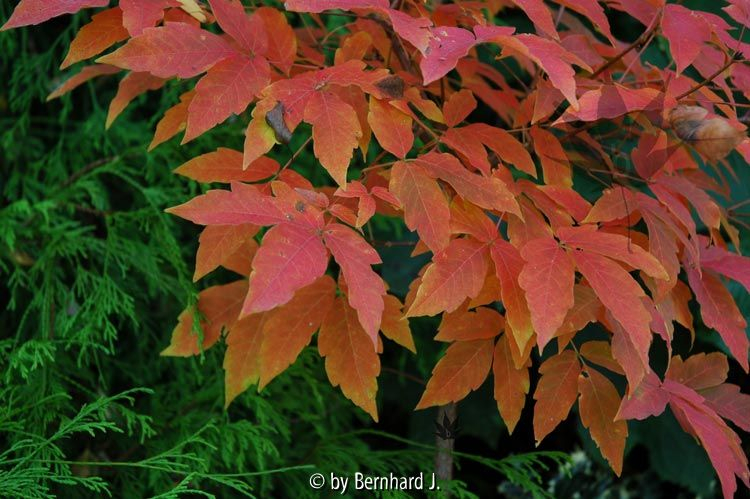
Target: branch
column 639, row 41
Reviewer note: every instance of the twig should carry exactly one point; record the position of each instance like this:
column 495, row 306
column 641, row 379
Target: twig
column 640, row 40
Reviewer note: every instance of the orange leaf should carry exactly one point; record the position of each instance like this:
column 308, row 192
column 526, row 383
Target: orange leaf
column 425, row 207
column 104, row 30
column 454, row 275
column 174, row 120
column 290, row 327
column 598, row 407
column 37, row 11
column 463, row 368
column 335, row 132
column 467, row 325
column 84, row 75
column 351, row 361
column 282, row 46
column 133, row 85
column 220, row 307
column 458, row 107
column 394, row 326
column 511, row 383
column 555, row 393
column 218, row 242
column 242, row 358
column 225, row 165
column 391, row 127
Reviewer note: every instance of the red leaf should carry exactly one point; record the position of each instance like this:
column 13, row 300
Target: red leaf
column 282, row 46
column 598, row 407
column 37, row 11
column 511, row 383
column 540, row 15
column 227, row 88
column 622, row 296
column 547, row 278
column 316, row 6
column 218, row 242
column 289, row 328
column 731, row 265
column 391, row 127
column 613, row 101
column 225, row 165
column 721, row 443
column 720, row 312
column 463, row 368
column 104, row 30
column 613, row 246
column 289, row 258
column 176, row 49
column 425, row 207
column 247, row 31
column 138, row 15
column 454, row 275
column 243, row 204
column 555, row 393
column 729, row 403
column 647, row 400
column 351, row 362
column 365, row 288
column 687, row 32
column 555, row 163
column 487, row 192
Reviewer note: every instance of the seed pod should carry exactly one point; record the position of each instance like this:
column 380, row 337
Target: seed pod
column 714, row 138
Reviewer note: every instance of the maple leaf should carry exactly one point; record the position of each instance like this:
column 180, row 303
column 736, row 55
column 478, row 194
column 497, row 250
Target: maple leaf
column 104, row 30
column 720, row 312
column 508, row 266
column 219, row 307
column 455, row 274
column 225, row 165
column 227, row 88
column 173, row 122
column 547, row 279
column 598, row 406
column 511, row 383
column 486, row 192
column 219, row 242
column 248, row 31
column 391, row 127
column 282, row 46
column 289, row 258
column 686, row 33
column 138, row 15
column 365, row 289
column 82, row 77
column 242, row 357
column 464, row 325
column 350, row 360
column 458, row 107
column 540, row 15
column 425, row 206
column 556, row 392
column 463, row 368
column 393, row 324
column 622, row 296
column 133, row 85
column 289, row 328
column 29, row 12
column 176, row 49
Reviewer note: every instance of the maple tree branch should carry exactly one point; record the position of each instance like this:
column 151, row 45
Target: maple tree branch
column 294, row 156
column 639, row 41
column 710, row 78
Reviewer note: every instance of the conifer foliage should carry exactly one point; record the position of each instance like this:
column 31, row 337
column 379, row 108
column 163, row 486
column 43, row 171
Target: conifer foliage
column 476, row 135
